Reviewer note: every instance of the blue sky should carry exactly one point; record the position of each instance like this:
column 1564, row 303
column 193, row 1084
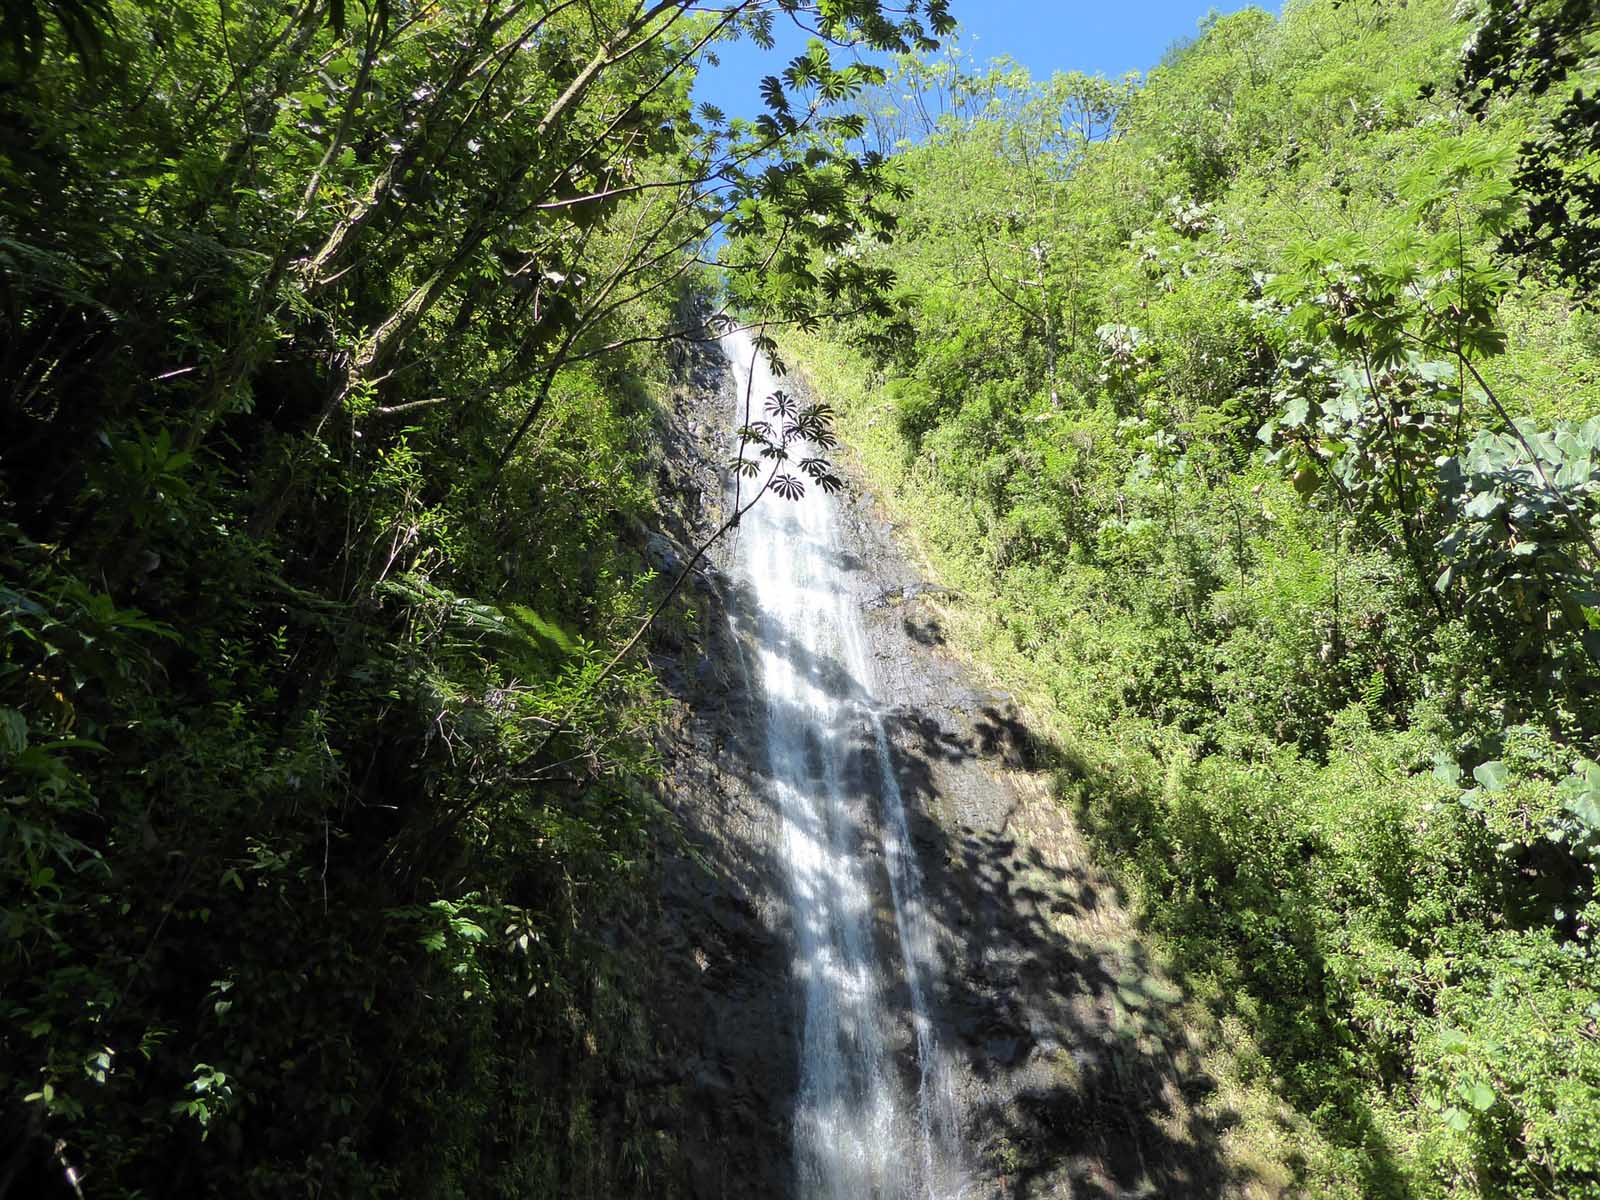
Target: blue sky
column 1110, row 36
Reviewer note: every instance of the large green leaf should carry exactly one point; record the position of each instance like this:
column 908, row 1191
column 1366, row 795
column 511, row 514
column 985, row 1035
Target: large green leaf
column 1492, row 775
column 1582, row 793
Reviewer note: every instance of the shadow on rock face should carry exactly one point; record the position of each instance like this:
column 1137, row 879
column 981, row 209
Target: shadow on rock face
column 927, row 632
column 1078, row 1080
column 1073, row 1075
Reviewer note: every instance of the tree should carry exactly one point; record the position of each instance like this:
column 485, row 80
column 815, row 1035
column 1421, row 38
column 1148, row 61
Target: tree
column 330, row 335
column 1531, row 47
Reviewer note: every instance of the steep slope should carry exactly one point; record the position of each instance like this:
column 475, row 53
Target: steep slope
column 1264, row 466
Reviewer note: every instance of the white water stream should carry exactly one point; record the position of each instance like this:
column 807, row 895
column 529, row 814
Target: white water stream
column 876, row 1117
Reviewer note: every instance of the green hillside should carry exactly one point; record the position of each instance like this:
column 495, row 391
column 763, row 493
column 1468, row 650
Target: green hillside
column 1220, row 408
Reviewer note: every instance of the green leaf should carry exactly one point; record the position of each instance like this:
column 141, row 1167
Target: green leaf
column 1591, row 643
column 1582, row 791
column 1484, row 505
column 1492, row 775
column 13, row 731
column 1480, row 1096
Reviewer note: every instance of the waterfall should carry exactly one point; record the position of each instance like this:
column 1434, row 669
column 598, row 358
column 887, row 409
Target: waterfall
column 868, row 1126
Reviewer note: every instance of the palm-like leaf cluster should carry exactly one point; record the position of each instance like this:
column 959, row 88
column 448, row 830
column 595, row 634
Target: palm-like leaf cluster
column 789, row 427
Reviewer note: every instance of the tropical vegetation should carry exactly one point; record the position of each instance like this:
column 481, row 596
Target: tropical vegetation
column 1254, row 409
column 335, row 344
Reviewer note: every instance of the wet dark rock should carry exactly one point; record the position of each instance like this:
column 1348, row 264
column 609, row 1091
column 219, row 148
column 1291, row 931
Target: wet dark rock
column 713, row 1080
column 709, row 677
column 664, row 554
column 884, row 598
column 900, row 593
column 1027, row 1013
column 1005, row 1052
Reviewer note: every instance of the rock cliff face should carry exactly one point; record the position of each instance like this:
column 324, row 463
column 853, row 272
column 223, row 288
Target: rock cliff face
column 1070, row 1078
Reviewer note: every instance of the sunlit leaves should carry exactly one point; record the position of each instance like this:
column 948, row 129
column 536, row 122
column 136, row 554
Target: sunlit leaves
column 1511, row 536
column 1531, row 46
column 1580, row 794
column 793, row 220
column 759, row 25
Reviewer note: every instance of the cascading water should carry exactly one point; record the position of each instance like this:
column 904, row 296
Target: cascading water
column 859, row 1135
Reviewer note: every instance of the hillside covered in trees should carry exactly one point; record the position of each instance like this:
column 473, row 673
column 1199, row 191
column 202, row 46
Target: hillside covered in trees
column 1254, row 410
column 1250, row 409
column 333, row 343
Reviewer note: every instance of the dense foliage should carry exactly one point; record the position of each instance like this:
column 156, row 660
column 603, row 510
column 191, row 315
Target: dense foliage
column 1255, row 409
column 331, row 340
